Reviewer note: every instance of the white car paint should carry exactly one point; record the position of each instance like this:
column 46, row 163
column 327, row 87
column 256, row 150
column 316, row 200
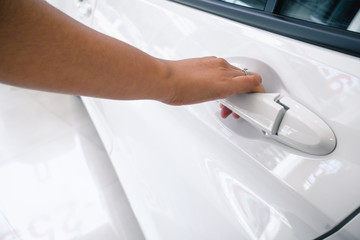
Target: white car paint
column 190, row 174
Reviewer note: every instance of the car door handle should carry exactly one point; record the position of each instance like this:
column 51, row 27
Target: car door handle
column 284, row 120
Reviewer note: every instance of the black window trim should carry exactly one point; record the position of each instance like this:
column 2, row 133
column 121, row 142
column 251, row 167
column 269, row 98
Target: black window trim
column 332, row 38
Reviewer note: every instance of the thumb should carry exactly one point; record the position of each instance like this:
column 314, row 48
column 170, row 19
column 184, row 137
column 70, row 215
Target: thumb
column 245, row 84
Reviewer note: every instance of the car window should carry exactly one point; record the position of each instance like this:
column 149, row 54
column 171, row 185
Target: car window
column 343, row 14
column 333, row 24
column 257, row 4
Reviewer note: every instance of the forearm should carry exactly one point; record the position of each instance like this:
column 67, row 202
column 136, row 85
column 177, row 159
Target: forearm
column 42, row 48
column 49, row 51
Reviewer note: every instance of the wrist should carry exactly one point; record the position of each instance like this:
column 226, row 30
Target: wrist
column 166, row 81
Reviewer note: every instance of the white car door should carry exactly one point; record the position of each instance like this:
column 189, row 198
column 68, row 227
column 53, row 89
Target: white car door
column 80, row 10
column 190, row 174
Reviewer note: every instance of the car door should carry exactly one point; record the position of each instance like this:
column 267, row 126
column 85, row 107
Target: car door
column 188, row 173
column 80, row 10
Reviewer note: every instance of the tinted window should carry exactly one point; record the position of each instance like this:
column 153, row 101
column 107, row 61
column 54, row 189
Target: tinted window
column 257, row 4
column 342, row 14
column 319, row 14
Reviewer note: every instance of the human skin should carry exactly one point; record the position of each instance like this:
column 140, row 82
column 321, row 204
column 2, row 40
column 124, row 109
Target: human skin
column 42, row 48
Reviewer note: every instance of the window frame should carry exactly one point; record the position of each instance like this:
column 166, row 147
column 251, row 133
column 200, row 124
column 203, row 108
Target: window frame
column 340, row 40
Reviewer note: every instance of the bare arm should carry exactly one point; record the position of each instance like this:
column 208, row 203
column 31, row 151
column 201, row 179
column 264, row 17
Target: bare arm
column 41, row 48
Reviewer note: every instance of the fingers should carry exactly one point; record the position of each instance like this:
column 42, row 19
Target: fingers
column 225, row 112
column 257, row 76
column 238, row 69
column 241, row 72
column 260, row 89
column 245, row 84
column 242, row 83
column 235, row 115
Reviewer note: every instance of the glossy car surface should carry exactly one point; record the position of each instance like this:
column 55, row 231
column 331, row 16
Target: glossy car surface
column 190, row 174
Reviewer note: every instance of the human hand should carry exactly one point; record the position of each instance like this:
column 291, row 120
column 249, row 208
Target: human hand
column 209, row 78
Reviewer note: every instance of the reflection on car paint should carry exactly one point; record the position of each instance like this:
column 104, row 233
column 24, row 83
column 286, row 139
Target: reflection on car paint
column 328, row 167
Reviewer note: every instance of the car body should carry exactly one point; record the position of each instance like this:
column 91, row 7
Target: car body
column 188, row 173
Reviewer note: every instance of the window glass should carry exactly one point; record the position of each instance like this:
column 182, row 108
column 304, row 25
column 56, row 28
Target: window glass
column 342, row 14
column 257, row 4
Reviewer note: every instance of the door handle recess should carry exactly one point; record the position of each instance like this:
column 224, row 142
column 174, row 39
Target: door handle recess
column 284, row 120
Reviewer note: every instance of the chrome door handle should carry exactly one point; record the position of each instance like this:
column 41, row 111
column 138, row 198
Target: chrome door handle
column 284, row 120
